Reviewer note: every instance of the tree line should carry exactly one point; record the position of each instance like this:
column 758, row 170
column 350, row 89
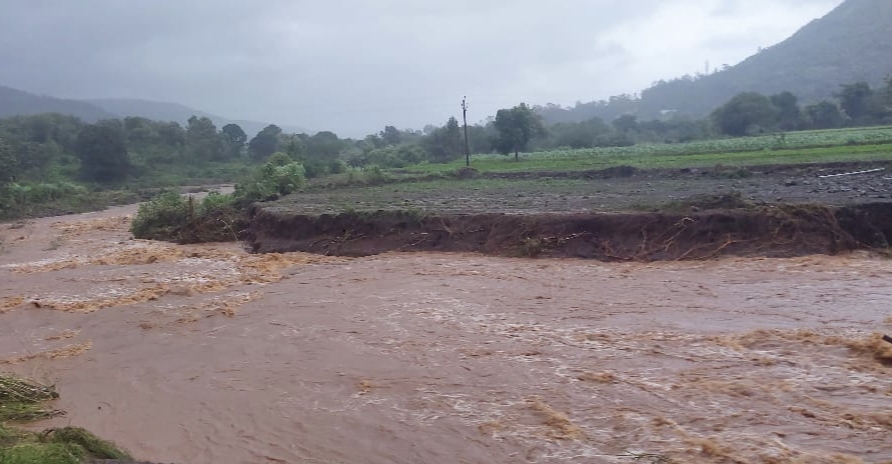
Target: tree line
column 856, row 104
column 53, row 147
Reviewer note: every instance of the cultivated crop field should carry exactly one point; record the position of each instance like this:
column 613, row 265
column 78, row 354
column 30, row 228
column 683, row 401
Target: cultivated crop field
column 855, row 144
column 766, row 169
column 643, row 190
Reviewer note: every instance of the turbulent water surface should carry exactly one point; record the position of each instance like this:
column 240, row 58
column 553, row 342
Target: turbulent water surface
column 206, row 354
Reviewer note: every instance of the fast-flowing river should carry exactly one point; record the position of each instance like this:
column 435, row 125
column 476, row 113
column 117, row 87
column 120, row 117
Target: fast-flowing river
column 206, row 354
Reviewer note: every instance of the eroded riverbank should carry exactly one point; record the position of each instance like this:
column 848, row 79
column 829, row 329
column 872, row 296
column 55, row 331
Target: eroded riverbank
column 201, row 354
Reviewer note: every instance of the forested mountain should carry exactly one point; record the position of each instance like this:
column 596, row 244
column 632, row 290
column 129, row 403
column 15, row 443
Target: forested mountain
column 163, row 111
column 15, row 102
column 19, row 103
column 853, row 43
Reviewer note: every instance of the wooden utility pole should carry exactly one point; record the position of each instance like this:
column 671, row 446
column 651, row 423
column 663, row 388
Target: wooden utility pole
column 464, row 112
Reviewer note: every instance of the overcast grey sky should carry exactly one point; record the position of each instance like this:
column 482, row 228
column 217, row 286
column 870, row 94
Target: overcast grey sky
column 353, row 66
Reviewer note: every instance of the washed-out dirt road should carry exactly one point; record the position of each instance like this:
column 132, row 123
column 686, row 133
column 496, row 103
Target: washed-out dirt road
column 206, row 354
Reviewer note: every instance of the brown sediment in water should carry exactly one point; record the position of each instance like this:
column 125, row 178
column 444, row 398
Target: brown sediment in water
column 871, row 346
column 442, row 358
column 59, row 353
column 9, row 303
column 560, row 426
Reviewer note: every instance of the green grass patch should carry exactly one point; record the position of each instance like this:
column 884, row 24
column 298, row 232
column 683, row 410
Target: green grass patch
column 665, row 157
column 23, row 401
column 68, row 445
column 50, row 199
column 208, row 173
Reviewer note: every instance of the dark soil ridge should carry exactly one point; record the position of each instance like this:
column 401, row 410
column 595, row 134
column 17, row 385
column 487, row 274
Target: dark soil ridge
column 770, row 231
column 616, row 172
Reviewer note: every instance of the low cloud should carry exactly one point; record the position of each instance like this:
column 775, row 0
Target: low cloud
column 354, row 66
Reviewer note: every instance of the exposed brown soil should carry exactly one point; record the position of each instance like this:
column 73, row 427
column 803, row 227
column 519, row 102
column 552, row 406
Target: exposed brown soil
column 774, row 231
column 611, row 190
column 726, row 172
column 620, row 213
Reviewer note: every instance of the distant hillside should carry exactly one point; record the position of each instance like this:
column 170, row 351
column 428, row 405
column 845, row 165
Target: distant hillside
column 163, row 111
column 852, row 43
column 15, row 102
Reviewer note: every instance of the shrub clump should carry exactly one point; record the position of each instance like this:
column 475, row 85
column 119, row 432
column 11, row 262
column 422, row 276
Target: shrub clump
column 275, row 178
column 172, row 217
column 218, row 217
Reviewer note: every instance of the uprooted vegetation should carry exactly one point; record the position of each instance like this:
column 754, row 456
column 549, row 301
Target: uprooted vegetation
column 172, row 217
column 23, row 401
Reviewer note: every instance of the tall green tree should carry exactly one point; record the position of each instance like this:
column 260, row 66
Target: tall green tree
column 516, row 127
column 886, row 99
column 235, row 139
column 102, row 150
column 880, row 104
column 626, row 123
column 265, row 143
column 584, row 134
column 324, row 145
column 8, row 163
column 789, row 115
column 481, row 137
column 294, row 145
column 887, row 92
column 172, row 134
column 391, row 135
column 825, row 115
column 202, row 140
column 453, row 138
column 855, row 101
column 444, row 144
column 747, row 113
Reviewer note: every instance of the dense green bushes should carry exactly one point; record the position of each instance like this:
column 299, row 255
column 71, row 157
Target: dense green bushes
column 279, row 176
column 173, row 217
column 217, row 217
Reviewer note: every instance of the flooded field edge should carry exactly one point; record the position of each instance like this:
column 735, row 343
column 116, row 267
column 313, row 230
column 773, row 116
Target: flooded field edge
column 228, row 356
column 771, row 231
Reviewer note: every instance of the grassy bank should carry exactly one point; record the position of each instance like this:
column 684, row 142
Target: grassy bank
column 21, row 402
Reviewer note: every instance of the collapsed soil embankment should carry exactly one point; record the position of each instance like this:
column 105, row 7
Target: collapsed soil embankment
column 775, row 231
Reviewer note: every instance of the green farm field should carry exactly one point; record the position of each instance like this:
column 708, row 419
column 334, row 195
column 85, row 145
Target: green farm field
column 652, row 176
column 838, row 145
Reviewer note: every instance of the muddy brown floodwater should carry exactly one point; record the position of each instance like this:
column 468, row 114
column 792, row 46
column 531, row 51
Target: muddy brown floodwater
column 206, row 354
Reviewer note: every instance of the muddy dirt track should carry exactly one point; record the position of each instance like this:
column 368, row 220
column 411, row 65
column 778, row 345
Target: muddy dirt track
column 205, row 354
